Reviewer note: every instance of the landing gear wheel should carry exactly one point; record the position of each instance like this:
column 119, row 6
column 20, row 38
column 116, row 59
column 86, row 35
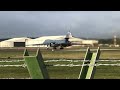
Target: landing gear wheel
column 54, row 48
column 61, row 48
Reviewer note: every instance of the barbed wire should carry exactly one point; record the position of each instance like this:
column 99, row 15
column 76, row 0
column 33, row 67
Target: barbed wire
column 61, row 65
column 22, row 65
column 15, row 78
column 69, row 65
column 79, row 60
column 11, row 60
column 61, row 60
column 72, row 65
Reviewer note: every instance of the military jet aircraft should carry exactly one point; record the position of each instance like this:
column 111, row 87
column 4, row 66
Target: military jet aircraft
column 59, row 41
column 51, row 41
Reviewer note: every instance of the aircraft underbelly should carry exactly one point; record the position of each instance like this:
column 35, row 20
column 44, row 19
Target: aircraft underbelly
column 54, row 41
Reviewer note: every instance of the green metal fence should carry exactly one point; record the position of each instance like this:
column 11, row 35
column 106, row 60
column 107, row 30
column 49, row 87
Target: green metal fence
column 38, row 70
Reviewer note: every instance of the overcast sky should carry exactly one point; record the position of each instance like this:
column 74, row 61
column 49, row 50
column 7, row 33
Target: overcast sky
column 87, row 24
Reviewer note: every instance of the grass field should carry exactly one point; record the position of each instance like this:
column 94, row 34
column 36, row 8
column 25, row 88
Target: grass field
column 102, row 72
column 58, row 54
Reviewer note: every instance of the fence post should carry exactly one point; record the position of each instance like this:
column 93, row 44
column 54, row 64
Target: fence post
column 87, row 72
column 35, row 65
column 84, row 69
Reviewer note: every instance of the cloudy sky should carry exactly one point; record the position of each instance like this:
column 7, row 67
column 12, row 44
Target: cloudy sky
column 87, row 24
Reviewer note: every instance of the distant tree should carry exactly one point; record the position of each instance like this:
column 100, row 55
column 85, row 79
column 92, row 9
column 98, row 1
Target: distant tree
column 105, row 41
column 108, row 41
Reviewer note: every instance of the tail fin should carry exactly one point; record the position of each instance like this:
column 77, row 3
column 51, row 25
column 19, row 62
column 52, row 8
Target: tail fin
column 68, row 35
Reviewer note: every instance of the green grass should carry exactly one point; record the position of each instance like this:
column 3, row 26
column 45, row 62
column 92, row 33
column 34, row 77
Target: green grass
column 107, row 72
column 11, row 63
column 110, row 55
column 58, row 54
column 63, row 72
column 14, row 72
column 102, row 72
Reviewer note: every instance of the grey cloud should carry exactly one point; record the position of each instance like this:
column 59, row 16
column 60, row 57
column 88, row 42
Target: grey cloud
column 93, row 24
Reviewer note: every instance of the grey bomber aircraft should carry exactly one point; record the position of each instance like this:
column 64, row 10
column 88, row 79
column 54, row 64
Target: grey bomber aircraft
column 51, row 41
column 59, row 41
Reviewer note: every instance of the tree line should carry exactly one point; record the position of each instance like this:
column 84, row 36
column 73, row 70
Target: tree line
column 108, row 41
